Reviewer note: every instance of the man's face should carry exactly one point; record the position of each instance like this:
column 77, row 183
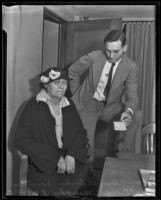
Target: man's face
column 57, row 88
column 114, row 50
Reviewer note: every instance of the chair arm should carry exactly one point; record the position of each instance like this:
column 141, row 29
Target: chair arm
column 23, row 174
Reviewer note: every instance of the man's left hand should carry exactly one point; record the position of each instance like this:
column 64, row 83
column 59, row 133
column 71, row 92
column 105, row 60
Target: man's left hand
column 126, row 117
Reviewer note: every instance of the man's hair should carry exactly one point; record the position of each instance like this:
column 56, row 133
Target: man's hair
column 115, row 35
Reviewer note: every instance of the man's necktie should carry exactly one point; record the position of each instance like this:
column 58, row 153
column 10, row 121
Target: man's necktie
column 108, row 85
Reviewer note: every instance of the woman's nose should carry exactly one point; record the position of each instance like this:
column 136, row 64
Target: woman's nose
column 61, row 85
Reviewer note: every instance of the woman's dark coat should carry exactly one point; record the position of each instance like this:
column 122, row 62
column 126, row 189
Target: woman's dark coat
column 35, row 136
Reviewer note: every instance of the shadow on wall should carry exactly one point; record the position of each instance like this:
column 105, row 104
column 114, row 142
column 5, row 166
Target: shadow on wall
column 34, row 85
column 34, row 89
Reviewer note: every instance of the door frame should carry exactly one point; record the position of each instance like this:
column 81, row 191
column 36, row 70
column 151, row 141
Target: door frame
column 52, row 17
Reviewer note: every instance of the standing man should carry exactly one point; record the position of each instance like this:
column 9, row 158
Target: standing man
column 111, row 75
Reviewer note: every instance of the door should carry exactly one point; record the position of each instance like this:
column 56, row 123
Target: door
column 83, row 37
column 50, row 44
column 54, row 36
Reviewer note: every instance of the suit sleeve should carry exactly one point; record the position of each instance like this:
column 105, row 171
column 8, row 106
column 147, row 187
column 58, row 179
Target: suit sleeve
column 43, row 156
column 78, row 68
column 131, row 89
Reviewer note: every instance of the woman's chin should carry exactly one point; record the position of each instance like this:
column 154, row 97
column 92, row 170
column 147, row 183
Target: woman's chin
column 60, row 96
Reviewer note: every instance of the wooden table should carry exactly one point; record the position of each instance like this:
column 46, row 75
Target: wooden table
column 136, row 156
column 120, row 177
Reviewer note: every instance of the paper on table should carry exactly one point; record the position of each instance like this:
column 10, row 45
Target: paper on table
column 119, row 126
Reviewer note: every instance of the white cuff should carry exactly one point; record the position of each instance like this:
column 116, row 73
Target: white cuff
column 129, row 109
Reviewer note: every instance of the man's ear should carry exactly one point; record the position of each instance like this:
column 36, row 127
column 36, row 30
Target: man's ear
column 125, row 48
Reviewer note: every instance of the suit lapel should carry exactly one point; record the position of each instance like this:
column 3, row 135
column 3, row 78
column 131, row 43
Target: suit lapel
column 97, row 70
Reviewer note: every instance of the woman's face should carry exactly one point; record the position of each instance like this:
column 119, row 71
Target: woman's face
column 57, row 88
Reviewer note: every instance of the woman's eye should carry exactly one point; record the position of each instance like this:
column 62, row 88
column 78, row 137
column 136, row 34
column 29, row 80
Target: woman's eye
column 64, row 83
column 56, row 83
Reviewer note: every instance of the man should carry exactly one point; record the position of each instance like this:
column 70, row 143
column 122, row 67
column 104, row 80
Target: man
column 93, row 98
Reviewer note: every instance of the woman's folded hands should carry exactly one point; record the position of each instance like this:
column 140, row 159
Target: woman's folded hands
column 66, row 164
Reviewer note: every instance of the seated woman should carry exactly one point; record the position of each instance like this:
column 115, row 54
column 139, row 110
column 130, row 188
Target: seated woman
column 51, row 133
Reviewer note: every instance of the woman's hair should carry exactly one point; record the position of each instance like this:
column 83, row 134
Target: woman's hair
column 115, row 35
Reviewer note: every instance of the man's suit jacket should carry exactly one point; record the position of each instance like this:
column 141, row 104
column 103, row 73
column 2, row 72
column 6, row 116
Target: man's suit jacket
column 124, row 81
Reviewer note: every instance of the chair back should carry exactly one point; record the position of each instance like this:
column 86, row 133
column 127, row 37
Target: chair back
column 148, row 138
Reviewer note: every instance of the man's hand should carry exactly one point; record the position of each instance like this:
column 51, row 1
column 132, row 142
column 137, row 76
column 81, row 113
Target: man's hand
column 126, row 117
column 70, row 164
column 61, row 166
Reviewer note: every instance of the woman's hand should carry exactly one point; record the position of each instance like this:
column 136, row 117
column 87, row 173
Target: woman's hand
column 61, row 166
column 70, row 164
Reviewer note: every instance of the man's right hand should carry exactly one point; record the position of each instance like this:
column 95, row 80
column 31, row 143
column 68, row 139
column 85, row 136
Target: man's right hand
column 126, row 117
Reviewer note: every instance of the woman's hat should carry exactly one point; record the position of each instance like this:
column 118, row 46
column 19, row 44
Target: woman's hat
column 52, row 74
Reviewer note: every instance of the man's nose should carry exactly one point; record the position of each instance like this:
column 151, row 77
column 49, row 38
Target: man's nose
column 112, row 54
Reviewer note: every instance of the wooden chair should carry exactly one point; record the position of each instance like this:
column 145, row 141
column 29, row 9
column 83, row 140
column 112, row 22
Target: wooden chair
column 148, row 138
column 23, row 189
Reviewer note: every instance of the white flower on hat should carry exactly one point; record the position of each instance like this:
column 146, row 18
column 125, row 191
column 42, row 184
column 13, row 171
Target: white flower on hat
column 54, row 75
column 44, row 79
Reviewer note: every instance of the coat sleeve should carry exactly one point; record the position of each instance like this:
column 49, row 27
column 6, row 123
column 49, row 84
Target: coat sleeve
column 78, row 148
column 76, row 141
column 45, row 157
column 131, row 89
column 78, row 68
